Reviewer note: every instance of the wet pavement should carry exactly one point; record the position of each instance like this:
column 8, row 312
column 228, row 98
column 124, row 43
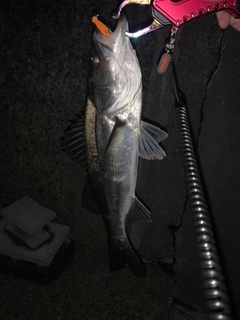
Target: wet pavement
column 45, row 52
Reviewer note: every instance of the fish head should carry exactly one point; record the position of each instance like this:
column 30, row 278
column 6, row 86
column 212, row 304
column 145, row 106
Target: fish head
column 115, row 74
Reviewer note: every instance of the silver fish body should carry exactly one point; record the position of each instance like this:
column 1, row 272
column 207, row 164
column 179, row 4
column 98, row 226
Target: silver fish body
column 115, row 137
column 113, row 175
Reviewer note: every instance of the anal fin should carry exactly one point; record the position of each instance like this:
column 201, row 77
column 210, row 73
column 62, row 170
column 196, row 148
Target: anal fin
column 138, row 212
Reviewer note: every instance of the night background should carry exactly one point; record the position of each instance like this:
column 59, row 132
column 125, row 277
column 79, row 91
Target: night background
column 44, row 54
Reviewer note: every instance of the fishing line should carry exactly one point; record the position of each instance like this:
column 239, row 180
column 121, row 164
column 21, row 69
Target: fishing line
column 143, row 284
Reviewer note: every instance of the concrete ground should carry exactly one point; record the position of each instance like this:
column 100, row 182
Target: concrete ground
column 44, row 58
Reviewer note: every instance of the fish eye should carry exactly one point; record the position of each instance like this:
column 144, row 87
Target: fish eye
column 95, row 60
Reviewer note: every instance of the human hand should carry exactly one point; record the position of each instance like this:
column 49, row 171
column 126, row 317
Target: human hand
column 225, row 19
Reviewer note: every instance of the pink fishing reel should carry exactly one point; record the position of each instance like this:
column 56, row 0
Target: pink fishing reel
column 178, row 12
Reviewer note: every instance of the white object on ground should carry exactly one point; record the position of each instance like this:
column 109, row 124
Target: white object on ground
column 26, row 233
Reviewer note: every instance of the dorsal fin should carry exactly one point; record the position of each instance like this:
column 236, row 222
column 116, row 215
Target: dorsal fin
column 73, row 141
column 89, row 201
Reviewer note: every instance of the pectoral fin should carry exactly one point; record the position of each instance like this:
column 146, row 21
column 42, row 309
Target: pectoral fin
column 148, row 142
column 138, row 212
column 115, row 134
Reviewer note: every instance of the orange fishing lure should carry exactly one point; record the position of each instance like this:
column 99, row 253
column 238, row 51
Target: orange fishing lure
column 101, row 27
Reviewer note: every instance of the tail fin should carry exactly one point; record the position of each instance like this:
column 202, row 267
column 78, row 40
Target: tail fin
column 123, row 254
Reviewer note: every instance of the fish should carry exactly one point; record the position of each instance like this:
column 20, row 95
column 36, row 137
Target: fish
column 109, row 139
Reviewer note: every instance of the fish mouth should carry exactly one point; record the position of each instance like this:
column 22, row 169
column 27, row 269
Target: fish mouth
column 118, row 73
column 115, row 41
